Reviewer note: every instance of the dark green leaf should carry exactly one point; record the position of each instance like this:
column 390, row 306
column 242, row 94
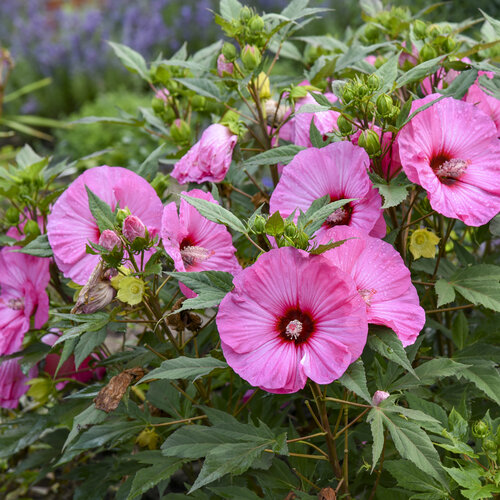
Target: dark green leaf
column 185, row 368
column 315, row 136
column 354, row 379
column 282, row 154
column 101, row 211
column 40, row 247
column 275, row 225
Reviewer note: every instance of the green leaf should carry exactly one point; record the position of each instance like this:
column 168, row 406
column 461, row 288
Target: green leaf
column 281, row 154
column 27, row 157
column 316, row 136
column 101, row 211
column 148, row 477
column 388, row 73
column 403, row 114
column 216, row 213
column 317, row 218
column 460, row 85
column 275, row 224
column 149, row 166
column 193, row 441
column 87, row 120
column 324, row 248
column 354, row 379
column 460, row 330
column 202, row 86
column 469, row 477
column 445, row 292
column 484, row 375
column 87, row 344
column 40, row 247
column 185, row 368
column 392, row 193
column 89, row 416
column 211, row 287
column 419, row 72
column 386, row 343
column 376, row 425
column 131, row 59
column 230, row 9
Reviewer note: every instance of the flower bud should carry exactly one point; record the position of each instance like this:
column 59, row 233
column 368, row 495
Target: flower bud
column 180, row 131
column 290, row 229
column 245, row 13
column 31, row 228
column 162, row 94
column 263, row 86
column 489, row 446
column 256, row 24
column 427, row 52
column 110, row 240
column 480, row 429
column 251, row 57
column 373, row 82
column 12, row 215
column 420, row 29
column 158, row 105
column 160, row 183
column 371, row 32
column 224, row 67
column 133, row 228
column 344, row 125
column 379, row 396
column 198, row 102
column 448, row 44
column 229, row 51
column 369, row 141
column 259, row 225
column 298, row 92
column 301, row 241
column 121, row 215
column 433, row 30
column 384, row 104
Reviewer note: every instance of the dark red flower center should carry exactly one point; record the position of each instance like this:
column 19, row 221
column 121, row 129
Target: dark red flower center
column 192, row 253
column 448, row 169
column 295, row 325
column 341, row 216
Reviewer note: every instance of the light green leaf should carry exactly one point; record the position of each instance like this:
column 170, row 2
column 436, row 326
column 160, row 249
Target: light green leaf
column 26, row 157
column 281, row 154
column 445, row 292
column 318, row 218
column 388, row 73
column 419, row 72
column 131, row 59
column 354, row 379
column 393, row 193
column 467, row 478
column 186, row 368
column 275, row 224
column 40, row 247
column 230, row 9
column 202, row 86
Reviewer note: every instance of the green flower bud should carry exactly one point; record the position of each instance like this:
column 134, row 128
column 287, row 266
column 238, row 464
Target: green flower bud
column 427, row 52
column 198, row 102
column 256, row 24
column 259, row 225
column 251, row 57
column 370, row 142
column 384, row 104
column 158, row 105
column 362, row 90
column 490, row 446
column 180, row 132
column 420, row 29
column 347, row 94
column 121, row 215
column 40, row 389
column 433, row 30
column 380, row 61
column 290, row 229
column 160, row 183
column 480, row 429
column 373, row 82
column 344, row 125
column 448, row 44
column 229, row 51
column 298, row 92
column 372, row 32
column 301, row 241
column 245, row 13
column 31, row 228
column 12, row 215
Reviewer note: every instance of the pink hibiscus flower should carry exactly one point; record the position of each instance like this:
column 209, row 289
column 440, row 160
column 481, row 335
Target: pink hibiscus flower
column 340, row 171
column 13, row 382
column 291, row 316
column 382, row 280
column 23, row 280
column 489, row 104
column 451, row 150
column 209, row 159
column 71, row 224
column 195, row 243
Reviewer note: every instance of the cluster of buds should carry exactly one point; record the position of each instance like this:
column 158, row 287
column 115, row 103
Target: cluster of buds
column 284, row 231
column 491, row 441
column 387, row 23
column 248, row 28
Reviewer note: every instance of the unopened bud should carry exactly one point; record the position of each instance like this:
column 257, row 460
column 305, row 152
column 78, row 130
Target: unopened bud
column 448, row 44
column 224, row 67
column 245, row 13
column 373, row 82
column 433, row 30
column 31, row 228
column 347, row 94
column 160, row 183
column 12, row 215
column 344, row 125
column 259, row 225
column 121, row 215
column 263, row 87
column 180, row 131
column 427, row 52
column 109, row 240
column 290, row 229
column 371, row 32
column 384, row 104
column 490, row 446
column 251, row 57
column 133, row 228
column 229, row 51
column 480, row 429
column 379, row 396
column 256, row 24
column 369, row 141
column 301, row 241
column 420, row 29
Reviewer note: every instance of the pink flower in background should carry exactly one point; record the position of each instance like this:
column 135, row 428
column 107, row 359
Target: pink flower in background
column 340, row 171
column 224, row 67
column 381, row 278
column 71, row 224
column 440, row 78
column 391, row 164
column 487, row 103
column 379, row 396
column 13, row 382
column 291, row 316
column 451, row 150
column 195, row 243
column 85, row 372
column 209, row 159
column 23, row 280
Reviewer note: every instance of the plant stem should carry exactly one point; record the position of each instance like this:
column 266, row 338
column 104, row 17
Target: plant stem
column 182, row 421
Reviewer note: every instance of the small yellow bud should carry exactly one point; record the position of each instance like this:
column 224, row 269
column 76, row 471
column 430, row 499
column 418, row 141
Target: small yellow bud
column 148, row 438
column 423, row 244
column 263, row 87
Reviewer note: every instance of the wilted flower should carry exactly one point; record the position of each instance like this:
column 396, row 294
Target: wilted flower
column 338, row 170
column 379, row 396
column 209, row 158
column 130, row 290
column 451, row 150
column 71, row 224
column 382, row 280
column 13, row 382
column 224, row 67
column 291, row 316
column 423, row 243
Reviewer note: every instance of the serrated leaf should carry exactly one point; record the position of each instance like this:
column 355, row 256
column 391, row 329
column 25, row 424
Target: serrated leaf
column 216, row 213
column 281, row 154
column 460, row 85
column 193, row 441
column 185, row 368
column 393, row 194
column 484, row 375
column 469, row 477
column 324, row 248
column 275, row 224
column 86, row 344
column 386, row 343
column 388, row 73
column 404, row 113
column 419, row 72
column 375, row 420
column 89, row 416
column 354, row 379
column 445, row 292
column 131, row 59
column 39, row 247
column 315, row 136
column 202, row 86
column 321, row 99
column 101, row 211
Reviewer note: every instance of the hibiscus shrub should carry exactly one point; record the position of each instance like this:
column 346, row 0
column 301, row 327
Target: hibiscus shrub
column 315, row 315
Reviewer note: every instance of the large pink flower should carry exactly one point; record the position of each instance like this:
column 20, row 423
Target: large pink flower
column 451, row 149
column 13, row 382
column 489, row 104
column 71, row 224
column 291, row 316
column 340, row 171
column 23, row 280
column 194, row 242
column 209, row 159
column 381, row 278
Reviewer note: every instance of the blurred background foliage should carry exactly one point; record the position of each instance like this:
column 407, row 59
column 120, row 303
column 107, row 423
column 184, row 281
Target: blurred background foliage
column 65, row 41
